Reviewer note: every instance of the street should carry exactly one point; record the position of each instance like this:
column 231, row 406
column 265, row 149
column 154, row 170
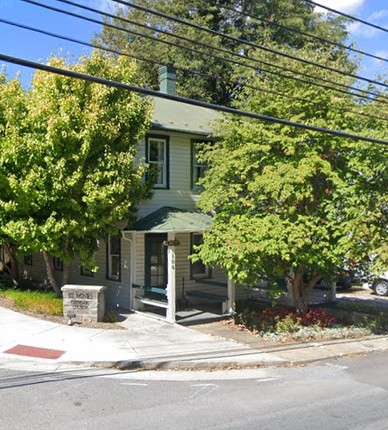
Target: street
column 342, row 394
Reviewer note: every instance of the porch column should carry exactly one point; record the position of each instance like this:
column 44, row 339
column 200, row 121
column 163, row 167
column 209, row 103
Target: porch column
column 132, row 242
column 231, row 303
column 171, row 287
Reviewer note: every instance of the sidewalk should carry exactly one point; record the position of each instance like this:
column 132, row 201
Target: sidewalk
column 148, row 343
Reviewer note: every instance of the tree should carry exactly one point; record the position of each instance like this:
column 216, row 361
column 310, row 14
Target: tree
column 13, row 109
column 290, row 202
column 69, row 165
column 215, row 79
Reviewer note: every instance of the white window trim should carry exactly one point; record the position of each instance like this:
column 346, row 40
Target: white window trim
column 195, row 164
column 110, row 275
column 163, row 163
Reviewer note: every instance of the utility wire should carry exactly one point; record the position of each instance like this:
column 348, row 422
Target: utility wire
column 218, row 49
column 148, row 92
column 379, row 98
column 353, row 18
column 246, row 42
column 193, row 72
column 306, row 34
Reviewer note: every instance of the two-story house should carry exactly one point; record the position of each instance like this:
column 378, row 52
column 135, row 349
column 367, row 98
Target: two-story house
column 147, row 267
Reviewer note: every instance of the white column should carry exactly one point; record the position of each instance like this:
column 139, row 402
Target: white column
column 171, row 287
column 231, row 302
column 133, row 268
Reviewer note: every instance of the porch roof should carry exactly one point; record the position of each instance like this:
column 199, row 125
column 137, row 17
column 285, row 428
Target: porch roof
column 168, row 219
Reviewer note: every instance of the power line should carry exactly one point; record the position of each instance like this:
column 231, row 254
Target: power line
column 243, row 41
column 154, row 62
column 148, row 92
column 306, row 34
column 218, row 49
column 379, row 98
column 353, row 18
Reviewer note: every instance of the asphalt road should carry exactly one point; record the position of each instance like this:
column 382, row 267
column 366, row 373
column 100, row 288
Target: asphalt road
column 344, row 394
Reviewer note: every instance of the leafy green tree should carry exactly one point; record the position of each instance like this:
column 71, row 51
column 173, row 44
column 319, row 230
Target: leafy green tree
column 215, row 80
column 13, row 108
column 290, row 202
column 69, row 165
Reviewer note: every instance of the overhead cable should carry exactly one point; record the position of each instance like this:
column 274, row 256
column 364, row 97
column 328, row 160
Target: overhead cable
column 353, row 18
column 148, row 92
column 306, row 34
column 192, row 72
column 380, row 97
column 244, row 41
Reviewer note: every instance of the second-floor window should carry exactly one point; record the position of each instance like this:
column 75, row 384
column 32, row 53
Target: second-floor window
column 198, row 168
column 157, row 154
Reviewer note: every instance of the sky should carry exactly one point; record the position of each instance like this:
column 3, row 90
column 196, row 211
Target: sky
column 35, row 47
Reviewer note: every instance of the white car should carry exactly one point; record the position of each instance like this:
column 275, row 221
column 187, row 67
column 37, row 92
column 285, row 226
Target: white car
column 380, row 285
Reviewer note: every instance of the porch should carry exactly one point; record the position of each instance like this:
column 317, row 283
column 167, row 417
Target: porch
column 164, row 282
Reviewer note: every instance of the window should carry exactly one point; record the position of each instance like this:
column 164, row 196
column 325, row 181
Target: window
column 197, row 268
column 157, row 155
column 28, row 260
column 86, row 272
column 58, row 264
column 197, row 168
column 114, row 258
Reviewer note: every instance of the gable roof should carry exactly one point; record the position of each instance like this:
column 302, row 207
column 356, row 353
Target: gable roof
column 167, row 219
column 177, row 116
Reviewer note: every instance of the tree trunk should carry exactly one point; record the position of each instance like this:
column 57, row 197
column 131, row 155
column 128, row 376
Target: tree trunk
column 302, row 291
column 13, row 266
column 51, row 273
column 66, row 273
column 66, row 265
column 300, row 297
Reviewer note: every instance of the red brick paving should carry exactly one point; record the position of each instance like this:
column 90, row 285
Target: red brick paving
column 32, row 351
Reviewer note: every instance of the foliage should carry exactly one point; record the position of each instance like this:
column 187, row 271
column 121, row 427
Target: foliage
column 214, row 79
column 282, row 319
column 290, row 202
column 67, row 171
column 111, row 317
column 42, row 302
column 282, row 324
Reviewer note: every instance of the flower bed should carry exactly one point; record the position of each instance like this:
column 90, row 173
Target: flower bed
column 282, row 323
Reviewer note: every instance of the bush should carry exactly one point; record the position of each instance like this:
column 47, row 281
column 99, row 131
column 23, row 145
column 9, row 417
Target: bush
column 111, row 317
column 282, row 319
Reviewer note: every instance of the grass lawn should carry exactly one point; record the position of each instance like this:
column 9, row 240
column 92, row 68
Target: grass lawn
column 37, row 301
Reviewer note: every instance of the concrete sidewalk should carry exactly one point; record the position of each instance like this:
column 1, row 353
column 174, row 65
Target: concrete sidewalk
column 153, row 344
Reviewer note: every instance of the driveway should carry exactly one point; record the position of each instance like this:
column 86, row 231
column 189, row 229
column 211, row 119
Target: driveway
column 362, row 295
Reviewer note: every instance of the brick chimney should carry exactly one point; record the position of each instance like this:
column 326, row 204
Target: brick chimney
column 167, row 80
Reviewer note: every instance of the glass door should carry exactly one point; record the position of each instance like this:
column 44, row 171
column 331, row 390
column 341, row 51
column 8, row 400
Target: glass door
column 155, row 261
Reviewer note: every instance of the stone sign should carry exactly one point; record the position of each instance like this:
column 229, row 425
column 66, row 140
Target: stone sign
column 84, row 303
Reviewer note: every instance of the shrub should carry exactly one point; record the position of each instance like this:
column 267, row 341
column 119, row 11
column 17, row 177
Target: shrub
column 111, row 317
column 282, row 319
column 319, row 317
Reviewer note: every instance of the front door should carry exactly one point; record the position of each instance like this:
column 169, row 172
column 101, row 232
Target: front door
column 155, row 260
